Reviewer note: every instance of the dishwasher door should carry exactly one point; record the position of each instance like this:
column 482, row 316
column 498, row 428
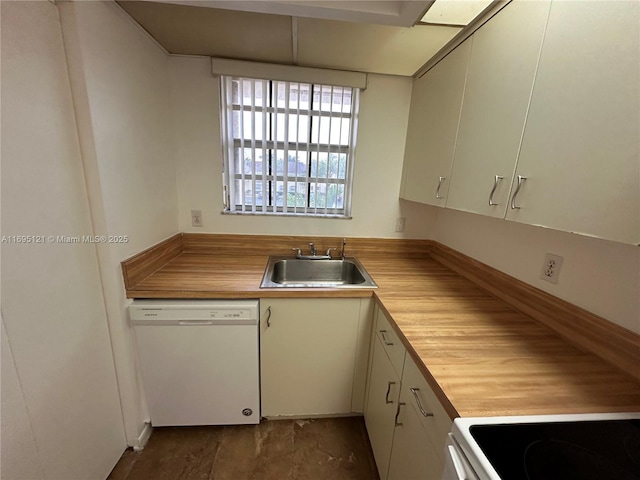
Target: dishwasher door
column 199, row 360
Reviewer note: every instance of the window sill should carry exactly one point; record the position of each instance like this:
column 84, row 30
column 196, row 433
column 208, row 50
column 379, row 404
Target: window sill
column 287, row 214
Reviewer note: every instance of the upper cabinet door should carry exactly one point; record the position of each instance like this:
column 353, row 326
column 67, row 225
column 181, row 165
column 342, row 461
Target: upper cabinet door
column 433, row 124
column 500, row 78
column 580, row 152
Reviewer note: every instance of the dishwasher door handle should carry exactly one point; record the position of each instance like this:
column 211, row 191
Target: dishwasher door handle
column 195, row 322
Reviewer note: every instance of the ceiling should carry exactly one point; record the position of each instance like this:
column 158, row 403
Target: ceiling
column 368, row 36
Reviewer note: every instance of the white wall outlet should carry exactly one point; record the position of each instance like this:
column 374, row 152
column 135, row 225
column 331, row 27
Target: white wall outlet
column 400, row 221
column 196, row 218
column 551, row 268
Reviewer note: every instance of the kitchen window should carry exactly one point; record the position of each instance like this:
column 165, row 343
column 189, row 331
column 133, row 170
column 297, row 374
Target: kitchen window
column 288, row 147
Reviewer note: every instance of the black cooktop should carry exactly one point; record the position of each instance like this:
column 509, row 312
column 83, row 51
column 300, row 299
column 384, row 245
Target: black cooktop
column 577, row 450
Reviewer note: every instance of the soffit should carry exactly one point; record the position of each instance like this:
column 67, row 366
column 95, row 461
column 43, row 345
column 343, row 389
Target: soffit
column 213, row 32
column 292, row 40
column 383, row 12
column 368, row 48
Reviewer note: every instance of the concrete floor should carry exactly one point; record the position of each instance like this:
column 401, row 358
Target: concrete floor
column 318, row 449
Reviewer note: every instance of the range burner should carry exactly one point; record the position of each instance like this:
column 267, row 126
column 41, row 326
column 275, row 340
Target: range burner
column 584, row 450
column 558, row 460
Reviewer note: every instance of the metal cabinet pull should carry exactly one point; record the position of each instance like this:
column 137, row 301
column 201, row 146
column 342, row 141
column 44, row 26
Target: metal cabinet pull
column 268, row 316
column 415, row 395
column 521, row 180
column 398, row 424
column 386, row 397
column 440, row 180
column 493, row 190
column 384, row 338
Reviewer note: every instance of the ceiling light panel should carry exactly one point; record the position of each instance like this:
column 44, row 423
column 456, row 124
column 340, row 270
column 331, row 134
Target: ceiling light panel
column 454, row 12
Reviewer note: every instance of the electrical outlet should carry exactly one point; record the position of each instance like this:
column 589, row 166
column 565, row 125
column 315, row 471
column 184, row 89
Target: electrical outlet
column 196, row 218
column 400, row 221
column 551, row 268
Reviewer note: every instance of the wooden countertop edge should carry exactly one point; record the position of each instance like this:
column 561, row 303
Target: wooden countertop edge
column 614, row 344
column 266, row 293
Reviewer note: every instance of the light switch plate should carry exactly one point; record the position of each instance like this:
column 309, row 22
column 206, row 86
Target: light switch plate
column 196, row 218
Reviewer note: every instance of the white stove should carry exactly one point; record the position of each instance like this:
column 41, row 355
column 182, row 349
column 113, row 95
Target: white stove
column 579, row 447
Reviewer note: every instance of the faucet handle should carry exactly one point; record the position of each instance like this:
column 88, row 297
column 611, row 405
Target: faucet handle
column 298, row 252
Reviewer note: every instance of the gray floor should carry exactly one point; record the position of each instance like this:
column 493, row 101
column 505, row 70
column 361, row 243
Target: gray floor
column 319, row 449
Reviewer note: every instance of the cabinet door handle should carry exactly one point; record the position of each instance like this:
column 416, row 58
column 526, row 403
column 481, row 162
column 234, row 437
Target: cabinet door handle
column 384, row 338
column 493, row 190
column 440, row 180
column 398, row 424
column 268, row 316
column 386, row 397
column 417, row 398
column 521, row 180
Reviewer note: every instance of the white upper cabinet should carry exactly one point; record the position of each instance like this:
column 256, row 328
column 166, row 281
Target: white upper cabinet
column 580, row 151
column 499, row 82
column 433, row 125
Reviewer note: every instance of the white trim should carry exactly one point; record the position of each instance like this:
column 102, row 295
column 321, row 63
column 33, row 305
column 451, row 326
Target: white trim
column 288, row 73
column 143, row 438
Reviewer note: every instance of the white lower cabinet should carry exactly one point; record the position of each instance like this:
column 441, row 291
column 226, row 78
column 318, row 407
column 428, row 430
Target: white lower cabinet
column 382, row 402
column 313, row 355
column 413, row 456
column 407, row 425
column 421, row 430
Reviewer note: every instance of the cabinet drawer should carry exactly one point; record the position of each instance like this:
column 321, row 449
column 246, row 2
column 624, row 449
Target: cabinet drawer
column 391, row 342
column 439, row 424
column 384, row 391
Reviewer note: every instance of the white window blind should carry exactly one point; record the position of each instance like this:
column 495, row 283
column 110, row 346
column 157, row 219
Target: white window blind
column 288, row 147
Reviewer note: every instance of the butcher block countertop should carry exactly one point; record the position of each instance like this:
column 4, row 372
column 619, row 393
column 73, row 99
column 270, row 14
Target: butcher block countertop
column 483, row 351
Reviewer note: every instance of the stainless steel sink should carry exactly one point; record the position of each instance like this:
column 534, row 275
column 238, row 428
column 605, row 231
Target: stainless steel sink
column 292, row 272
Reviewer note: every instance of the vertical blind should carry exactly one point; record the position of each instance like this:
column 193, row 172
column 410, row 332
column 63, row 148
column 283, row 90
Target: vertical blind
column 288, row 147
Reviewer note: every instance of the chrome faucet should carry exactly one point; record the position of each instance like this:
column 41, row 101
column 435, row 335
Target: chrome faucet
column 314, row 253
column 344, row 242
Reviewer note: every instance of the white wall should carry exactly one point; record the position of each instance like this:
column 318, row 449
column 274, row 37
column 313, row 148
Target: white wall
column 384, row 108
column 19, row 458
column 600, row 276
column 61, row 416
column 120, row 83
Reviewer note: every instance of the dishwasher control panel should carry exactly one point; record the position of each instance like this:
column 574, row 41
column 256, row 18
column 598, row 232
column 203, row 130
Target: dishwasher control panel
column 142, row 311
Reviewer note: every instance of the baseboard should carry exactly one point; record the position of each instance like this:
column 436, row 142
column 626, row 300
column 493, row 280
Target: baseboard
column 143, row 438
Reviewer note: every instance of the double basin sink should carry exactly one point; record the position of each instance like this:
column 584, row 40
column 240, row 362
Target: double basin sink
column 292, row 272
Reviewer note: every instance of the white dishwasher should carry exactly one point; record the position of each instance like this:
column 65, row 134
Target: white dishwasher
column 199, row 360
